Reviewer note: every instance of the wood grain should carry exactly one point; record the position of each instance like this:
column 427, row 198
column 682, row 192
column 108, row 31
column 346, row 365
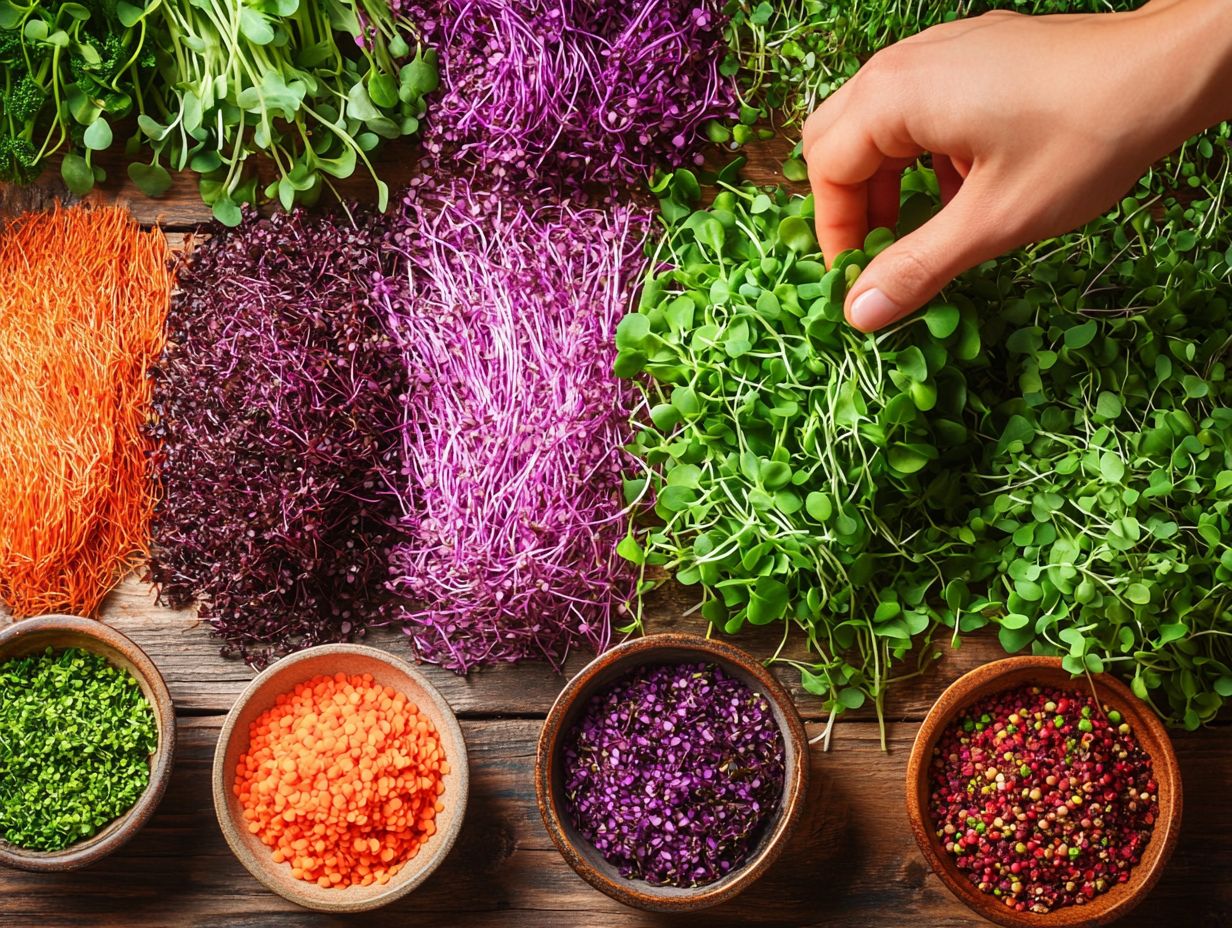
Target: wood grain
column 181, row 209
column 203, row 682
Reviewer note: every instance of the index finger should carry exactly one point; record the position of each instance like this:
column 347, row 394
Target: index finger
column 848, row 140
column 840, row 166
column 840, row 215
column 840, row 209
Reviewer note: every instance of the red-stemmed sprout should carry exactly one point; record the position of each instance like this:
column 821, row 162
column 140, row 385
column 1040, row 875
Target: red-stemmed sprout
column 278, row 408
column 514, row 425
column 588, row 90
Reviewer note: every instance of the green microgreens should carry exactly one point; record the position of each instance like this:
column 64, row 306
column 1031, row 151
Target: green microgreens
column 311, row 85
column 790, row 453
column 279, row 78
column 1057, row 464
column 1103, row 505
column 68, row 71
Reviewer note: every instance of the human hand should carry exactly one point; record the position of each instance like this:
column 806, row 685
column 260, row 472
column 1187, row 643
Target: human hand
column 1036, row 126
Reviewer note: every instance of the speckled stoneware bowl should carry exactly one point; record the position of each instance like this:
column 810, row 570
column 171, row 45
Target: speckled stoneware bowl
column 66, row 631
column 1008, row 674
column 605, row 670
column 284, row 676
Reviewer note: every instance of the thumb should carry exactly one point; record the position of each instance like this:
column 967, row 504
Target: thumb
column 908, row 273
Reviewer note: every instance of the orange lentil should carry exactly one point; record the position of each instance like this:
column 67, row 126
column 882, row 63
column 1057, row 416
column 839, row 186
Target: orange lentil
column 382, row 795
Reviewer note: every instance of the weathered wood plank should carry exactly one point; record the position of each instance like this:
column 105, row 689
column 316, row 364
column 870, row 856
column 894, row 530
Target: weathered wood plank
column 853, row 861
column 201, row 681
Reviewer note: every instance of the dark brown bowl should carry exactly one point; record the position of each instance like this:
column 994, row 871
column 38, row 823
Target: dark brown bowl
column 284, row 676
column 1151, row 734
column 65, row 631
column 604, row 670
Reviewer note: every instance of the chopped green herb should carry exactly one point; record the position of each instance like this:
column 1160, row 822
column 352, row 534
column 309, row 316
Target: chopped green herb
column 76, row 734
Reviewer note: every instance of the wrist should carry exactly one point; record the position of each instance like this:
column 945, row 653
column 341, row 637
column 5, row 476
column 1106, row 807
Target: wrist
column 1191, row 44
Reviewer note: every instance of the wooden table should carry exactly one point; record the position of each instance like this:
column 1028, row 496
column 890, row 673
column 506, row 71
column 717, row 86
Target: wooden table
column 851, row 863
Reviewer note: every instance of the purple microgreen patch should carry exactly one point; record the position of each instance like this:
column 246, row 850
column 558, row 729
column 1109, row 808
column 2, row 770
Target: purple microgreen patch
column 514, row 424
column 278, row 410
column 588, row 90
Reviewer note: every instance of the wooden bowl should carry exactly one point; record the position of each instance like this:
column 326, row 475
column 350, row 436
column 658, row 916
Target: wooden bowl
column 28, row 636
column 283, row 677
column 605, row 670
column 1011, row 673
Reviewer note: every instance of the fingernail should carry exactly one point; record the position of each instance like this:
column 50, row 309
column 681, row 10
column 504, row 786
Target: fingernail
column 871, row 310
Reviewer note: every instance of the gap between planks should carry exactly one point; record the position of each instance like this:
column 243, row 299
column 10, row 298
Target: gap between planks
column 203, row 683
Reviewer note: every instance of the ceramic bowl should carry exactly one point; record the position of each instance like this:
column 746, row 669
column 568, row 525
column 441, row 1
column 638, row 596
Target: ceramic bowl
column 1011, row 673
column 283, row 677
column 605, row 670
column 65, row 631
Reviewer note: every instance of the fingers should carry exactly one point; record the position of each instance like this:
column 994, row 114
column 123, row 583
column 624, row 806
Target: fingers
column 841, row 216
column 819, row 121
column 856, row 146
column 840, row 163
column 884, row 194
column 906, row 275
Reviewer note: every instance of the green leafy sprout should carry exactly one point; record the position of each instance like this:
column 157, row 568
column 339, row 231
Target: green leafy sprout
column 270, row 77
column 790, row 454
column 67, row 72
column 313, row 86
column 1047, row 449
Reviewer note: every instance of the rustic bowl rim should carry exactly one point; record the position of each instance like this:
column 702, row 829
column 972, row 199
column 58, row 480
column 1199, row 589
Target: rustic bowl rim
column 640, row 652
column 122, row 829
column 413, row 874
column 1107, row 907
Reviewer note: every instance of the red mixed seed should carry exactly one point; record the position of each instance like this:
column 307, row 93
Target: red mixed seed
column 1044, row 798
